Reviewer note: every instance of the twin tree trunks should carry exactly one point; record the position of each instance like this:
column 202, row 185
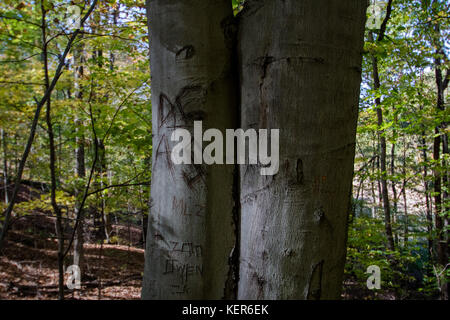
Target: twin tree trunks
column 227, row 232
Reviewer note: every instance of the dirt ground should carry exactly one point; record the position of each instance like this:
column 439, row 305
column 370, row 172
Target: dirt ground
column 28, row 267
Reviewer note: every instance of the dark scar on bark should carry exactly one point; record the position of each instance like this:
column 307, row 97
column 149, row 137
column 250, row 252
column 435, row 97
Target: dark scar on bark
column 178, row 106
column 299, row 171
column 162, row 119
column 315, row 282
column 264, row 63
column 187, row 52
column 190, row 181
column 260, row 282
column 251, row 7
column 187, row 95
column 229, row 26
column 167, row 153
column 199, row 174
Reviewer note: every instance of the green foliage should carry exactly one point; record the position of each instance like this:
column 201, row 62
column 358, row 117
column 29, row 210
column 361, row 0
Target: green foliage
column 403, row 271
column 406, row 61
column 114, row 87
column 237, row 5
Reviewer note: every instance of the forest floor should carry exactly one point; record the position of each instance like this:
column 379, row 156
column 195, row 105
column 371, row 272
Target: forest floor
column 29, row 268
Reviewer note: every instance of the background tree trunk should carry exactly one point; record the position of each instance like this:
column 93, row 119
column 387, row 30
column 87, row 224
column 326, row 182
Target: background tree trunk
column 394, row 189
column 5, row 164
column 440, row 177
column 382, row 138
column 52, row 164
column 190, row 230
column 300, row 67
column 429, row 209
column 440, row 173
column 405, row 203
column 80, row 168
column 383, row 169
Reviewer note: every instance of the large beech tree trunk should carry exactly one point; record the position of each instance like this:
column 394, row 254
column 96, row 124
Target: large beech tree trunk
column 190, row 232
column 300, row 65
column 300, row 71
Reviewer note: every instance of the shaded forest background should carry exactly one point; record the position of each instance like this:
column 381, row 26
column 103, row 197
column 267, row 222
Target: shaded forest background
column 86, row 178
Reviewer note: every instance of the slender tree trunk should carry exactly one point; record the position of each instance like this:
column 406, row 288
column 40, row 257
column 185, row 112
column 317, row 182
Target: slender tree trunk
column 19, row 172
column 114, row 16
column 372, row 185
column 56, row 209
column 78, row 253
column 112, row 59
column 5, row 164
column 440, row 176
column 437, row 199
column 16, row 157
column 103, row 217
column 383, row 170
column 380, row 193
column 300, row 70
column 394, row 189
column 190, row 235
column 405, row 203
column 80, row 168
column 440, row 195
column 361, row 207
column 445, row 199
column 427, row 196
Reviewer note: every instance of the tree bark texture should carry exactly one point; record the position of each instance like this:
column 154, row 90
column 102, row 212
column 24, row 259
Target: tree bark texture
column 190, row 232
column 300, row 72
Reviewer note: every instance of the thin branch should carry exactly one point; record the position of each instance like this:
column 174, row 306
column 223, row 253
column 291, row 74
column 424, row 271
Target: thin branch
column 118, row 109
column 385, row 21
column 20, row 60
column 107, row 35
column 21, row 83
column 120, row 185
column 20, row 19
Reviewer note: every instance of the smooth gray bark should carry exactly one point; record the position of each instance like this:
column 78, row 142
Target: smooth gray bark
column 300, row 68
column 190, row 230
